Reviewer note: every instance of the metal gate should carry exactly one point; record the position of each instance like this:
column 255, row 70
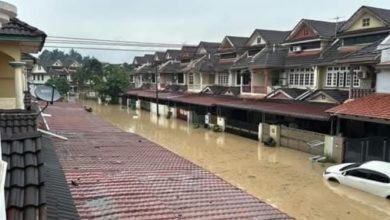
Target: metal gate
column 243, row 129
column 366, row 149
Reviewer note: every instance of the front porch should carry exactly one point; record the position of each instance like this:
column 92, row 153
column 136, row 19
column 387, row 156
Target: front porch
column 257, row 82
column 197, row 81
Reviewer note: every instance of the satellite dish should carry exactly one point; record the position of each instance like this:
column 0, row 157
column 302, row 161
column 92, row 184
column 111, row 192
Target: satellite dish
column 47, row 93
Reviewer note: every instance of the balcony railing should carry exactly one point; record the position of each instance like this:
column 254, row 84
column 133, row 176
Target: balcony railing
column 357, row 93
column 254, row 89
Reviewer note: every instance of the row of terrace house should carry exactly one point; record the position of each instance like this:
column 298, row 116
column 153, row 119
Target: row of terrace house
column 277, row 84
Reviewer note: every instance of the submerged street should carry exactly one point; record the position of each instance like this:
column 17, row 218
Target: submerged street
column 282, row 177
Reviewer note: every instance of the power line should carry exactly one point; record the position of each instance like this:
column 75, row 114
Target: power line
column 114, row 41
column 96, row 48
column 105, row 44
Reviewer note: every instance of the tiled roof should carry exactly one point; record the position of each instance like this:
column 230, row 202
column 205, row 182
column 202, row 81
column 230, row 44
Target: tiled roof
column 367, row 54
column 292, row 92
column 339, row 96
column 376, row 106
column 324, row 29
column 35, row 187
column 273, row 36
column 238, row 42
column 175, row 54
column 270, row 57
column 211, row 47
column 120, row 175
column 303, row 59
column 315, row 111
column 221, row 90
column 242, row 62
column 160, row 55
column 384, row 14
column 170, row 67
column 202, row 100
column 188, row 52
column 16, row 27
column 145, row 69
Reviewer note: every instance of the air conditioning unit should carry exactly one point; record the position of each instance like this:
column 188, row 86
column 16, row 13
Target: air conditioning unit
column 296, row 49
column 362, row 75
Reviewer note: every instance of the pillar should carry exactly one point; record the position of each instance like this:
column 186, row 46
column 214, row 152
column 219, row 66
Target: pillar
column 241, row 83
column 18, row 68
column 266, row 76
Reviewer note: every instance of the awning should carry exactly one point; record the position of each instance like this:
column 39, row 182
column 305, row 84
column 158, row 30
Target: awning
column 297, row 109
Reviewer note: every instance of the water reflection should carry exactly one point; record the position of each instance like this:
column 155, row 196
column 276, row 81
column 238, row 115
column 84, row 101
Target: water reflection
column 282, row 177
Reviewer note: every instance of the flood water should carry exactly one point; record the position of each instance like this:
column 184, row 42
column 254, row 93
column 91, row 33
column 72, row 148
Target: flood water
column 282, row 177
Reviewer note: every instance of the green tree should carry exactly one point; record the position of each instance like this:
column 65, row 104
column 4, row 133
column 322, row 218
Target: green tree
column 89, row 75
column 60, row 83
column 115, row 82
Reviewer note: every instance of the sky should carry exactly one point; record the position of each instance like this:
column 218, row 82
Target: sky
column 174, row 21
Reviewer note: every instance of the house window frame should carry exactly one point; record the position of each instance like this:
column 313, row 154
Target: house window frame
column 223, row 79
column 301, row 77
column 191, row 79
column 366, row 22
column 340, row 77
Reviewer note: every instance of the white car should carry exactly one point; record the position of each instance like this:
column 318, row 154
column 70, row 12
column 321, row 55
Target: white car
column 372, row 177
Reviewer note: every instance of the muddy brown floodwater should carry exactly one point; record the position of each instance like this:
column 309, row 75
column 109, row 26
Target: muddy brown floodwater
column 282, row 177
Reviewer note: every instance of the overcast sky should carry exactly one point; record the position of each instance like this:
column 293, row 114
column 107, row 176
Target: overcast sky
column 174, row 21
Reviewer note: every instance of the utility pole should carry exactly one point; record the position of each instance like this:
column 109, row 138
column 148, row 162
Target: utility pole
column 156, row 80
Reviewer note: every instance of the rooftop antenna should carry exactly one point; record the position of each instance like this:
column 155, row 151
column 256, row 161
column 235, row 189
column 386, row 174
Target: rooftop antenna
column 337, row 19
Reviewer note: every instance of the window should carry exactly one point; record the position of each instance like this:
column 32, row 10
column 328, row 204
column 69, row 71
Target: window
column 366, row 22
column 357, row 173
column 238, row 78
column 301, row 77
column 258, row 40
column 191, row 78
column 153, row 78
column 246, row 78
column 228, row 56
column 223, row 79
column 378, row 177
column 180, row 78
column 339, row 76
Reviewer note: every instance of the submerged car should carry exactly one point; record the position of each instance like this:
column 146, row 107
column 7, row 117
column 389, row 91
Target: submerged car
column 372, row 177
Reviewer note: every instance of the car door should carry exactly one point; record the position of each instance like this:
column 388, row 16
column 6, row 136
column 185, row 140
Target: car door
column 356, row 178
column 378, row 183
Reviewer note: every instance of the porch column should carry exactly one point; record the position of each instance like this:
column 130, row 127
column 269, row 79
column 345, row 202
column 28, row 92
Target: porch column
column 241, row 83
column 201, row 80
column 266, row 75
column 316, row 79
column 18, row 68
column 251, row 81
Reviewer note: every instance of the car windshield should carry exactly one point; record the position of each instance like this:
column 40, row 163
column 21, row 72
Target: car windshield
column 350, row 166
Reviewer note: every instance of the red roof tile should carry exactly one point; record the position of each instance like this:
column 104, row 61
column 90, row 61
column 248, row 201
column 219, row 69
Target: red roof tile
column 296, row 109
column 205, row 100
column 119, row 175
column 375, row 106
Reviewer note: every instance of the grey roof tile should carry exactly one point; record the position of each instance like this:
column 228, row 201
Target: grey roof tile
column 273, row 36
column 16, row 27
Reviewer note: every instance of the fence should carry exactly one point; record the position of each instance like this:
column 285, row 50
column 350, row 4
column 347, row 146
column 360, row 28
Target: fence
column 298, row 139
column 241, row 128
column 366, row 149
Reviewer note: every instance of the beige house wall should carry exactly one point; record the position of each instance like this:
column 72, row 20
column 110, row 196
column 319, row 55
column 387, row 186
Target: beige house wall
column 7, row 84
column 358, row 25
column 8, row 52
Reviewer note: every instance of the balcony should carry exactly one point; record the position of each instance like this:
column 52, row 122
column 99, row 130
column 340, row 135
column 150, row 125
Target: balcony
column 358, row 93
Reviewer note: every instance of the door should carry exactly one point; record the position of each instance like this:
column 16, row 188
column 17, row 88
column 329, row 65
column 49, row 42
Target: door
column 356, row 178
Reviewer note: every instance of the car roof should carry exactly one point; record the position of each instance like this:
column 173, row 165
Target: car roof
column 380, row 166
